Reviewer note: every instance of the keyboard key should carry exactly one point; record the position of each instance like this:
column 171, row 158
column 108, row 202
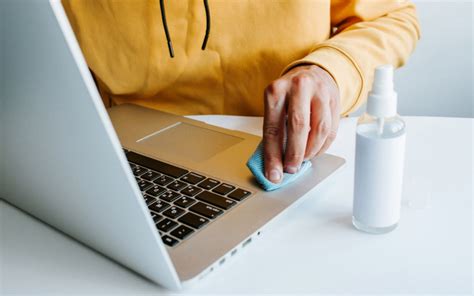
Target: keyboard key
column 193, row 220
column 144, row 185
column 239, row 194
column 149, row 199
column 166, row 225
column 150, row 175
column 223, row 188
column 193, row 178
column 184, row 202
column 170, row 196
column 159, row 206
column 156, row 165
column 168, row 240
column 177, row 185
column 181, row 232
column 208, row 184
column 163, row 180
column 155, row 190
column 156, row 217
column 173, row 212
column 191, row 190
column 138, row 170
column 206, row 210
column 215, row 200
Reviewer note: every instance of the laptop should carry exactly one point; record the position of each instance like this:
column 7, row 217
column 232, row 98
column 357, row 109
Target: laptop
column 166, row 196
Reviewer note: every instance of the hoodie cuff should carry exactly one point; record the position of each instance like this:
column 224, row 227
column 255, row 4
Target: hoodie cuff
column 342, row 68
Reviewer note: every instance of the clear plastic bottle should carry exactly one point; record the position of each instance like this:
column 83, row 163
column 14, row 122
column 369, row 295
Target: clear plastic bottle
column 380, row 149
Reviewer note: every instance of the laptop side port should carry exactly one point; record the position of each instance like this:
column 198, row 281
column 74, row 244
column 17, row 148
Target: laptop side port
column 248, row 241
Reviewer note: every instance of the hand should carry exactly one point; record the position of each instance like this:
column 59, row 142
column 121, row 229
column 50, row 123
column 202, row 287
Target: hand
column 304, row 103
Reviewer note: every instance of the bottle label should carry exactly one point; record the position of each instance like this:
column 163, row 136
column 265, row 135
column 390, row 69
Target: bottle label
column 378, row 180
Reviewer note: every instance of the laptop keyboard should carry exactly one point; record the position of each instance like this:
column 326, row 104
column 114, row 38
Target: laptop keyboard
column 181, row 202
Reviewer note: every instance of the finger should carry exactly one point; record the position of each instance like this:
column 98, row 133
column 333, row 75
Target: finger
column 298, row 124
column 335, row 116
column 273, row 130
column 320, row 125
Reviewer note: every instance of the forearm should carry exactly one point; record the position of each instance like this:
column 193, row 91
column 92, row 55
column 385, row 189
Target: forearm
column 362, row 43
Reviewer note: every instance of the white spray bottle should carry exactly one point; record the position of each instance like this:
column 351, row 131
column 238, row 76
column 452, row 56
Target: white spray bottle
column 380, row 149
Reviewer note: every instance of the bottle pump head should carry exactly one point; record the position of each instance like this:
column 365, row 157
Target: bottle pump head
column 382, row 100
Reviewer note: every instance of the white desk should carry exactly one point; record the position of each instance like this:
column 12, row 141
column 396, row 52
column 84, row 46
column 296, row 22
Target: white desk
column 314, row 249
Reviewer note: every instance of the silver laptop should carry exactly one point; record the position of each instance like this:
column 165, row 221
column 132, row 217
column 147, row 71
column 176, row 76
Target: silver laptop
column 166, row 196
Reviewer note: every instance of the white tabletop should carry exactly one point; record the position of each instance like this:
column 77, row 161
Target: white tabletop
column 313, row 249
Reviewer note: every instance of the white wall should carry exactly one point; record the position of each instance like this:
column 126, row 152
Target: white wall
column 438, row 78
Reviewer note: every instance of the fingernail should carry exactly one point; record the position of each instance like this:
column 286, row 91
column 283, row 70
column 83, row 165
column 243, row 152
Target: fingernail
column 291, row 169
column 275, row 176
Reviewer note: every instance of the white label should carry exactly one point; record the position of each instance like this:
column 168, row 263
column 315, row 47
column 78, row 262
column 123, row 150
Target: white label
column 378, row 180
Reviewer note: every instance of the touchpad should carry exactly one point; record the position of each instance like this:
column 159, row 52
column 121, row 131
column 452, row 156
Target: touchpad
column 189, row 142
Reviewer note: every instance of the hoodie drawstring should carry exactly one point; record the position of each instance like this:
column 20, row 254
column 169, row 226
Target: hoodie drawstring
column 208, row 24
column 165, row 27
column 167, row 33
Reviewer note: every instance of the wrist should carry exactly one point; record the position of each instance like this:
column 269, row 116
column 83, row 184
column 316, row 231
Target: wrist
column 328, row 80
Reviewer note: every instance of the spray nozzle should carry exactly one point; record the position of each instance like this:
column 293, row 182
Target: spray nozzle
column 383, row 79
column 382, row 100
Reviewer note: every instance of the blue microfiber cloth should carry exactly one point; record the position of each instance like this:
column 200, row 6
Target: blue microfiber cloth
column 256, row 166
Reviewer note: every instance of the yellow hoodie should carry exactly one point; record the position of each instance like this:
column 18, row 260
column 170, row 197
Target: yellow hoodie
column 251, row 43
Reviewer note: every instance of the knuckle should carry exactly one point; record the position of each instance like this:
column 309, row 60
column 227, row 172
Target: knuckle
column 323, row 94
column 319, row 84
column 322, row 128
column 301, row 79
column 274, row 88
column 334, row 103
column 278, row 85
column 332, row 135
column 271, row 131
column 294, row 156
column 270, row 90
column 272, row 101
column 298, row 122
column 272, row 93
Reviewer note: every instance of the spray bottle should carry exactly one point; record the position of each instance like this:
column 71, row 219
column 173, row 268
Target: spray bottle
column 380, row 149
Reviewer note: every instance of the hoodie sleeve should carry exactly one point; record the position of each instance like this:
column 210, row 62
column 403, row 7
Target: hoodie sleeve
column 366, row 34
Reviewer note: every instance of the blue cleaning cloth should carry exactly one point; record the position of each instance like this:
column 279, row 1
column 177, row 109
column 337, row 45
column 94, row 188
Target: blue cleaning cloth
column 256, row 166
